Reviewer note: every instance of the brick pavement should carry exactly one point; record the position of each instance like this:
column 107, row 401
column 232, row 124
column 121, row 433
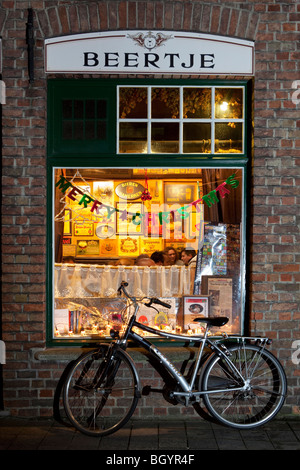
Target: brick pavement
column 141, row 435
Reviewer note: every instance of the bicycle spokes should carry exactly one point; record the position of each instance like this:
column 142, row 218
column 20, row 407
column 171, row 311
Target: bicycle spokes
column 251, row 401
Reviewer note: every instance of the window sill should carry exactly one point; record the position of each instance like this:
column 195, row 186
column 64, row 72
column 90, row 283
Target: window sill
column 174, row 353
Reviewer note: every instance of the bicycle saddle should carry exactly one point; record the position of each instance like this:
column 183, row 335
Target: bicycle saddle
column 213, row 321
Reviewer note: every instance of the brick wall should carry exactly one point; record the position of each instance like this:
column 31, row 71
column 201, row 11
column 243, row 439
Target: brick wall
column 29, row 385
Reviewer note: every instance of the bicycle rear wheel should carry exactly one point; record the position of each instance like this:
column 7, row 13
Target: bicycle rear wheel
column 263, row 393
column 101, row 392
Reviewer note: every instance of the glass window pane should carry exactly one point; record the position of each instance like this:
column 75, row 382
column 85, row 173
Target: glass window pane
column 78, row 109
column 67, row 133
column 133, row 137
column 90, row 130
column 101, row 130
column 164, row 137
column 197, row 103
column 101, row 109
column 133, row 103
column 229, row 103
column 186, row 103
column 229, row 137
column 90, row 109
column 196, row 138
column 165, row 103
column 78, row 130
column 67, row 109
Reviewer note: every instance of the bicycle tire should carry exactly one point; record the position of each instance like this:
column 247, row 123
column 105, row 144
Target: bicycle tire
column 100, row 407
column 261, row 399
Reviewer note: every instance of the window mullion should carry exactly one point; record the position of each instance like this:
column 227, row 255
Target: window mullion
column 181, row 120
column 149, row 91
column 212, row 130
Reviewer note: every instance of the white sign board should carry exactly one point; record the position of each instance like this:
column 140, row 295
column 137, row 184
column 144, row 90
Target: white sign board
column 149, row 52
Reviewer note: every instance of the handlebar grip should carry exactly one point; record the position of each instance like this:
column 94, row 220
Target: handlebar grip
column 164, row 304
column 122, row 287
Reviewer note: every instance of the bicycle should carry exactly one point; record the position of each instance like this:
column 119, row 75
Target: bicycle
column 241, row 383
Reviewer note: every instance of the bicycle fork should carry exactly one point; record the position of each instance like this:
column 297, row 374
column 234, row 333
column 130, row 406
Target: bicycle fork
column 104, row 380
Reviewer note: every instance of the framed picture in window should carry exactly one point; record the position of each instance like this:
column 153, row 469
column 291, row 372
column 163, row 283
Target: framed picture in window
column 195, row 306
column 130, row 219
column 220, row 291
column 180, row 192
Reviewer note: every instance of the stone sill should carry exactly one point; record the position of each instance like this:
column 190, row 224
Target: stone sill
column 68, row 354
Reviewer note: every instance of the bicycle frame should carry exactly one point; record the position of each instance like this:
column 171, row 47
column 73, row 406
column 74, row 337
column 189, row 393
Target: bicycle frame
column 187, row 387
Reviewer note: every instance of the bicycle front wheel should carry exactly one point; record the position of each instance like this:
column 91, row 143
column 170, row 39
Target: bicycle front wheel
column 101, row 392
column 262, row 388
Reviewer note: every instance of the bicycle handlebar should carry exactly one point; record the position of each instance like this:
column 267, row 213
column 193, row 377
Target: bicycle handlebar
column 122, row 289
column 157, row 301
column 152, row 300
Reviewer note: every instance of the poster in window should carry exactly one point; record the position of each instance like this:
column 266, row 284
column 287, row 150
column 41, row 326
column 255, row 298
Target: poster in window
column 128, row 246
column 220, row 290
column 84, row 230
column 160, row 317
column 180, row 193
column 195, row 306
column 108, row 247
column 214, row 255
column 150, row 245
column 87, row 248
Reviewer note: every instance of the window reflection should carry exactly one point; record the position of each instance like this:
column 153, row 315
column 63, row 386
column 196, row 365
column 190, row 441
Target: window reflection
column 196, row 103
column 133, row 103
column 165, row 137
column 228, row 137
column 229, row 103
column 165, row 103
column 196, row 138
column 133, row 137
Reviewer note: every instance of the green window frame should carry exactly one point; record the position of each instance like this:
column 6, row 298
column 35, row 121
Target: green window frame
column 98, row 152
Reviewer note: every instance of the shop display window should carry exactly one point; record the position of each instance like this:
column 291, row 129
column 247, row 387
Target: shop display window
column 105, row 218
column 145, row 167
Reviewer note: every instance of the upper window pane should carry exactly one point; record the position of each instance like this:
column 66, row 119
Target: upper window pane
column 133, row 103
column 228, row 137
column 165, row 137
column 165, row 103
column 229, row 103
column 197, row 103
column 133, row 137
column 181, row 120
column 196, row 137
column 84, row 119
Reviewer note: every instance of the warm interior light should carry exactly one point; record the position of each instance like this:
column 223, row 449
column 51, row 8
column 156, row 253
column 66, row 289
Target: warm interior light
column 224, row 106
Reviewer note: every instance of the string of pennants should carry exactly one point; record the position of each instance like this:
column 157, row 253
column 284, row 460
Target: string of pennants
column 87, row 199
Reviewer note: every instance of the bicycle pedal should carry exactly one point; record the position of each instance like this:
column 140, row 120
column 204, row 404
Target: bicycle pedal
column 146, row 390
